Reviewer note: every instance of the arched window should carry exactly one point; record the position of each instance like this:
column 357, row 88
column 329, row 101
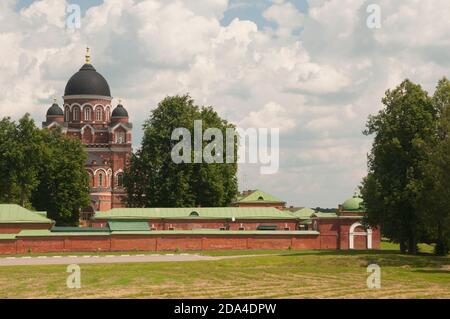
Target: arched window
column 194, row 214
column 67, row 114
column 260, row 198
column 120, row 139
column 91, row 179
column 76, row 114
column 100, row 180
column 120, row 180
column 107, row 114
column 98, row 114
column 87, row 114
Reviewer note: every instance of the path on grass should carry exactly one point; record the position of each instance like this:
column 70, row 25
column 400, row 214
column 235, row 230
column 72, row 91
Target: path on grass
column 109, row 259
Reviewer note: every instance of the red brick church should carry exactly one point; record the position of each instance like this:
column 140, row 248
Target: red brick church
column 88, row 114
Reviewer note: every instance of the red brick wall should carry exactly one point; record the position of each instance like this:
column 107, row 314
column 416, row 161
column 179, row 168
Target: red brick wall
column 156, row 243
column 334, row 234
column 132, row 242
column 376, row 238
column 189, row 224
column 179, row 242
column 40, row 245
column 219, row 243
column 8, row 246
column 84, row 243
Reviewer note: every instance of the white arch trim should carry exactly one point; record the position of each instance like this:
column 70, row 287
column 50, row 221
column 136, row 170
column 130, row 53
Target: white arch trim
column 112, row 129
column 100, row 169
column 118, row 172
column 106, row 175
column 88, row 125
column 352, row 235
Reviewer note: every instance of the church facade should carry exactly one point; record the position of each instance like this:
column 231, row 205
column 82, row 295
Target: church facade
column 88, row 114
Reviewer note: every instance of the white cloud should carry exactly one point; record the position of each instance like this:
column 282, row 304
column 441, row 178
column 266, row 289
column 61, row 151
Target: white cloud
column 272, row 115
column 285, row 15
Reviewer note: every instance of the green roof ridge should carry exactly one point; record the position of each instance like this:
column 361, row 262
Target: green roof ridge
column 191, row 213
column 256, row 196
column 13, row 213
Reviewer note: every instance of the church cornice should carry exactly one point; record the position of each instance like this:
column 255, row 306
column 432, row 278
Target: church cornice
column 87, row 97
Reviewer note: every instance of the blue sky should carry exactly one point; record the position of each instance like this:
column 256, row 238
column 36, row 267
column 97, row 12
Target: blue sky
column 84, row 4
column 313, row 69
column 242, row 9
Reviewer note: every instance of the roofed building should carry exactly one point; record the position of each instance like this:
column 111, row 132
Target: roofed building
column 88, row 115
column 213, row 218
column 15, row 218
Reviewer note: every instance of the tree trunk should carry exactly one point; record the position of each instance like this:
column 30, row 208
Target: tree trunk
column 441, row 248
column 412, row 246
column 402, row 247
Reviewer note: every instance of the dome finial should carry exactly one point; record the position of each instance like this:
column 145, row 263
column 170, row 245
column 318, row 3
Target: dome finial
column 88, row 56
column 54, row 100
column 120, row 100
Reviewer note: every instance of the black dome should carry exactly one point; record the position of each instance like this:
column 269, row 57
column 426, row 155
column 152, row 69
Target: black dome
column 55, row 110
column 87, row 81
column 119, row 111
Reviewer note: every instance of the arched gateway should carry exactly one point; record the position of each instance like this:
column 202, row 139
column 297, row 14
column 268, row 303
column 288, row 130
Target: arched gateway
column 358, row 236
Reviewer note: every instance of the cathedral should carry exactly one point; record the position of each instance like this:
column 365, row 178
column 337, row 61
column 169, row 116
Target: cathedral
column 87, row 114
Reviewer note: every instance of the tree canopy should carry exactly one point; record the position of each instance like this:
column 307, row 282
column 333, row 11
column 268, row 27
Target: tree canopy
column 155, row 180
column 402, row 191
column 42, row 169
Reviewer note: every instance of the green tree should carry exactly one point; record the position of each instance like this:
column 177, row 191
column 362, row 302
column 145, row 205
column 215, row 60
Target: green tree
column 63, row 181
column 21, row 152
column 154, row 180
column 392, row 189
column 8, row 185
column 436, row 195
column 42, row 169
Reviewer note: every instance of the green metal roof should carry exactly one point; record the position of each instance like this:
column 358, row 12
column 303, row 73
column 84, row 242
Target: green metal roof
column 116, row 225
column 64, row 229
column 7, row 236
column 48, row 233
column 304, row 213
column 258, row 196
column 43, row 214
column 12, row 213
column 322, row 214
column 353, row 204
column 189, row 213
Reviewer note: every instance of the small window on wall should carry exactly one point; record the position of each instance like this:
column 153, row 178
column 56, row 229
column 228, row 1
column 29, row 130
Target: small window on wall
column 98, row 114
column 76, row 114
column 120, row 139
column 67, row 114
column 120, row 180
column 100, row 179
column 87, row 114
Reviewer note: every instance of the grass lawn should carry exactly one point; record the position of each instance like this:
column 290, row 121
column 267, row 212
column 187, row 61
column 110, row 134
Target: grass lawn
column 290, row 274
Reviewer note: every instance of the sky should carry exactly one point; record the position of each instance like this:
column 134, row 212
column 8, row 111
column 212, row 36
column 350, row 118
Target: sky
column 312, row 68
